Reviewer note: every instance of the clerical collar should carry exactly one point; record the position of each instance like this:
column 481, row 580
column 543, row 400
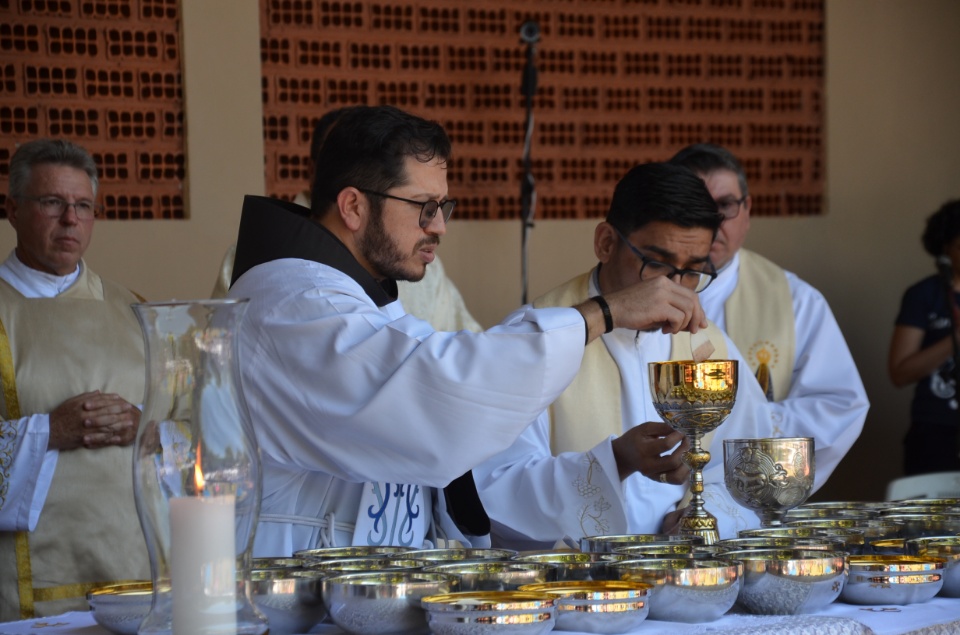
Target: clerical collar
column 32, row 283
column 271, row 229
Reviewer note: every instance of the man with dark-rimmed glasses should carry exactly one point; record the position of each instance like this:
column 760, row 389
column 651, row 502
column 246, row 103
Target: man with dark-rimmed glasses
column 600, row 460
column 783, row 326
column 364, row 412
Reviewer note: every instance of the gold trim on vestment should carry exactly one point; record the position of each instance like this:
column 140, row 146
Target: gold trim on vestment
column 24, row 575
column 7, row 377
column 12, row 402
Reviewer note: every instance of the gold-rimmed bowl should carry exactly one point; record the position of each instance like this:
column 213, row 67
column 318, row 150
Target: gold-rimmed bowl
column 597, row 606
column 921, row 525
column 291, row 599
column 459, row 554
column 853, row 540
column 491, row 612
column 339, row 553
column 789, row 581
column 612, row 542
column 120, row 608
column 573, row 565
column 947, row 548
column 384, row 603
column 495, row 575
column 872, row 529
column 816, row 543
column 372, row 563
column 279, row 562
column 892, row 579
column 685, row 589
column 658, row 550
column 815, row 513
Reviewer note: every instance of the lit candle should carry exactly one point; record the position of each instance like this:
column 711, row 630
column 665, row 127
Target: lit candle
column 203, row 563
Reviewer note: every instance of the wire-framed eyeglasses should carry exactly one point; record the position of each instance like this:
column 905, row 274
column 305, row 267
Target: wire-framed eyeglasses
column 730, row 207
column 693, row 279
column 428, row 209
column 54, row 207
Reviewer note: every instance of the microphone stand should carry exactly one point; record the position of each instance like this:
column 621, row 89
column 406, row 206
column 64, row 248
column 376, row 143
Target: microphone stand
column 529, row 35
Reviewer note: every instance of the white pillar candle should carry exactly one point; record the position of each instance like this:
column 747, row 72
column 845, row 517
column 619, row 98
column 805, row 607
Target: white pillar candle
column 203, row 565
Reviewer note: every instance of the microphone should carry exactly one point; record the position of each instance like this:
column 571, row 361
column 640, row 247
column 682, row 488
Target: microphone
column 945, row 267
column 530, row 32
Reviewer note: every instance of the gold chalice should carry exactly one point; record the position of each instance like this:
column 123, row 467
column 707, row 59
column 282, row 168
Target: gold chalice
column 769, row 476
column 694, row 398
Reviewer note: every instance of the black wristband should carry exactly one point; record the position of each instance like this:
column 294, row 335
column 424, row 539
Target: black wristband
column 605, row 308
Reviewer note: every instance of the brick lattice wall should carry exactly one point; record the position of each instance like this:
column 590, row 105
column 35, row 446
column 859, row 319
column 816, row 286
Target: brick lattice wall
column 104, row 74
column 620, row 82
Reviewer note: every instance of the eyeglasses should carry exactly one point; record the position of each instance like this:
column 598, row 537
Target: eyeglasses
column 692, row 279
column 428, row 209
column 54, row 207
column 730, row 207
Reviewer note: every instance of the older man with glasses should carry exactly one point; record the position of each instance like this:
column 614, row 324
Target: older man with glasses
column 71, row 368
column 600, row 460
column 783, row 325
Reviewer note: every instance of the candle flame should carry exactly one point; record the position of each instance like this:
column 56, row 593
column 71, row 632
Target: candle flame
column 198, row 479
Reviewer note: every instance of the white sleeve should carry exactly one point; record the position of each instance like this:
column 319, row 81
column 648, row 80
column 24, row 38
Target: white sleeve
column 531, row 495
column 26, row 471
column 827, row 400
column 337, row 385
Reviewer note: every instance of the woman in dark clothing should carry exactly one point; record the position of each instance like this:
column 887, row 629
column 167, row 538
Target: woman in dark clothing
column 922, row 351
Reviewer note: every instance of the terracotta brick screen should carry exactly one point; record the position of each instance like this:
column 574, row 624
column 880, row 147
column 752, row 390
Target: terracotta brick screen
column 620, row 82
column 105, row 74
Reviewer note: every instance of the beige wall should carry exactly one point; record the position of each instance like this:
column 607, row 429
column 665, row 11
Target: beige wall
column 893, row 156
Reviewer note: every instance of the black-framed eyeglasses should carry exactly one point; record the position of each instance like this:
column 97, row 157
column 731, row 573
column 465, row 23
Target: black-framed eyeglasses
column 730, row 207
column 428, row 209
column 693, row 279
column 54, row 207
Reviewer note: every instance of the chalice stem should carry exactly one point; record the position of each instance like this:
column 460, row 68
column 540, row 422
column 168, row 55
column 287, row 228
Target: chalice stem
column 697, row 521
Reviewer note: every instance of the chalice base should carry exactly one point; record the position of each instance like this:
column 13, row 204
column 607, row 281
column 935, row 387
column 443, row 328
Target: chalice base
column 703, row 525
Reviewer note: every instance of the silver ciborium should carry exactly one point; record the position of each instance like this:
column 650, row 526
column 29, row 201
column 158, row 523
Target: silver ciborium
column 769, row 476
column 694, row 398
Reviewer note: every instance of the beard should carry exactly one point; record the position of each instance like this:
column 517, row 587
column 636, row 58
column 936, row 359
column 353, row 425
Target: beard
column 384, row 254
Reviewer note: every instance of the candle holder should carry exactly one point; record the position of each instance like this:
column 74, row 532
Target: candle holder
column 694, row 398
column 196, row 471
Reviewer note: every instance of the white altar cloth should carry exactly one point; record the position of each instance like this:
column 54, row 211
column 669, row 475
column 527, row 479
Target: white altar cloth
column 939, row 616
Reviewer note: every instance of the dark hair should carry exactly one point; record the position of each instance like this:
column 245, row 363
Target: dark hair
column 48, row 151
column 366, row 149
column 704, row 158
column 662, row 192
column 943, row 227
column 321, row 128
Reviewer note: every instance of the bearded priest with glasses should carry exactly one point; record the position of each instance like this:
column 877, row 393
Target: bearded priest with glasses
column 364, row 413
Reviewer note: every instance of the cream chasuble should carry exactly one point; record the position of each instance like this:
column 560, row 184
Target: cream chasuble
column 759, row 320
column 88, row 533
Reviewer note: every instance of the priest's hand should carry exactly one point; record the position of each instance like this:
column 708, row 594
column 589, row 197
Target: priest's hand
column 655, row 450
column 649, row 305
column 93, row 420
